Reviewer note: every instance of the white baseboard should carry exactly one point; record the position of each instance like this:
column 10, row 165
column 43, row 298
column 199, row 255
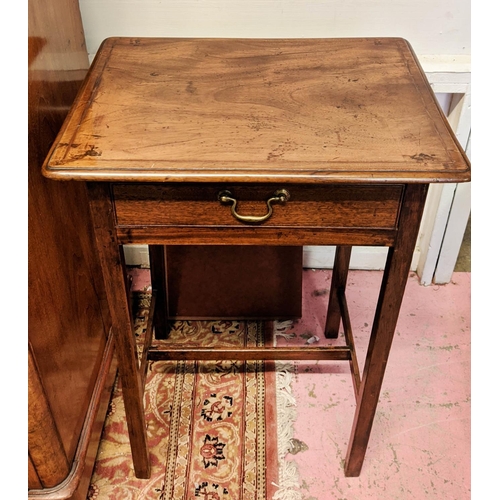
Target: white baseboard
column 136, row 255
column 366, row 258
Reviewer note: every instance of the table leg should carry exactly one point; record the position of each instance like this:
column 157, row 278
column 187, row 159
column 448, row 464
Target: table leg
column 158, row 268
column 113, row 269
column 339, row 279
column 386, row 316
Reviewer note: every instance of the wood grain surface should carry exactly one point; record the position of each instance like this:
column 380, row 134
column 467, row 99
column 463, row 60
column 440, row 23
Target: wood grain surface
column 68, row 318
column 309, row 206
column 290, row 110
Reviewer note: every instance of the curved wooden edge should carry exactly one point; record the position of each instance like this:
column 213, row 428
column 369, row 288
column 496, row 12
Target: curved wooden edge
column 45, row 448
column 142, row 172
column 100, row 399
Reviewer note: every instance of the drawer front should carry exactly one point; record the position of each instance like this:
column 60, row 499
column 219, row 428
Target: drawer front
column 308, row 206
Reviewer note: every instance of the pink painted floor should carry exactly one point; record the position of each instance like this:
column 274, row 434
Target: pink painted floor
column 420, row 442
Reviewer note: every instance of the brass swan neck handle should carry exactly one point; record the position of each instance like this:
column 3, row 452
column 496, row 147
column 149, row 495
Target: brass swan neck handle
column 279, row 196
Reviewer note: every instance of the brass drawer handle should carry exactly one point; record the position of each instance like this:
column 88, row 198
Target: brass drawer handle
column 280, row 196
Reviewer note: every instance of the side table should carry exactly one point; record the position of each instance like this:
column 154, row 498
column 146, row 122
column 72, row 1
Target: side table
column 257, row 142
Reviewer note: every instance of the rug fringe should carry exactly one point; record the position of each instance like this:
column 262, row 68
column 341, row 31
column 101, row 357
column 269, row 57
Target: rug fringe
column 289, row 482
column 286, row 415
column 280, row 329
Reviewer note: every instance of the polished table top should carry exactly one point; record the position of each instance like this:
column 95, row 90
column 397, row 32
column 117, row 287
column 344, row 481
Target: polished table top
column 252, row 110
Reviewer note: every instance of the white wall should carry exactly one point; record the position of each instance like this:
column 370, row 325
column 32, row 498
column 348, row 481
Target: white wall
column 438, row 30
column 433, row 27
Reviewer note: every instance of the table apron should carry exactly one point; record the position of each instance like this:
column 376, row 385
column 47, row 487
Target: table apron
column 203, row 235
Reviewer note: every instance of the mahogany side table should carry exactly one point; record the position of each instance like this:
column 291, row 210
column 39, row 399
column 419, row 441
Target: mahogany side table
column 257, row 142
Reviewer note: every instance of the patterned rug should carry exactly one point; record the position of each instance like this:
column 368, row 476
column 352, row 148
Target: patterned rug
column 217, row 430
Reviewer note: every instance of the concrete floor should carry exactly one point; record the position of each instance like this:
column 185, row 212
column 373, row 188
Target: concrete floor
column 420, row 442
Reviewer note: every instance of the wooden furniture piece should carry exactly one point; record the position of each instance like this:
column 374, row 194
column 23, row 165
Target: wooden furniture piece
column 71, row 367
column 258, row 142
column 233, row 282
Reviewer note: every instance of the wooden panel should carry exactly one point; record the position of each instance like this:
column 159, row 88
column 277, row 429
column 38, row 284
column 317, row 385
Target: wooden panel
column 98, row 412
column 44, row 441
column 338, row 206
column 304, row 110
column 75, row 485
column 234, row 282
column 33, row 479
column 68, row 318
